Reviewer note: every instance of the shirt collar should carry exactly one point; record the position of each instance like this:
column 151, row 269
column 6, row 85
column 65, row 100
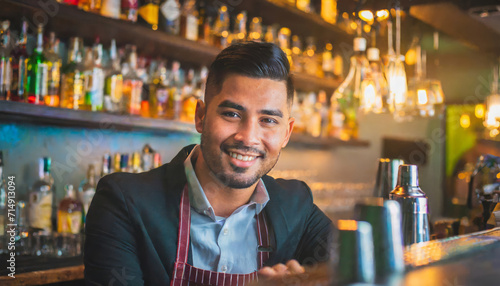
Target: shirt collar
column 199, row 200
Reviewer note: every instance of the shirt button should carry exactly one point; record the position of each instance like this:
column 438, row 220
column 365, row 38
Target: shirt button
column 223, row 269
column 226, row 231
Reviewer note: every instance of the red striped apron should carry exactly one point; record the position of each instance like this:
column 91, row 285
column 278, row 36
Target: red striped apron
column 185, row 274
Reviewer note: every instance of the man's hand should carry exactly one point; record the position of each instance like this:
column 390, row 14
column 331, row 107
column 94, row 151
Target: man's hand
column 279, row 270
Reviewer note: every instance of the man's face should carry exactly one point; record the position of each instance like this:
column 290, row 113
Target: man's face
column 243, row 129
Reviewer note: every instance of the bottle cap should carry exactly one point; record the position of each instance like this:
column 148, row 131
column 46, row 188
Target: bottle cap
column 408, row 175
column 359, row 44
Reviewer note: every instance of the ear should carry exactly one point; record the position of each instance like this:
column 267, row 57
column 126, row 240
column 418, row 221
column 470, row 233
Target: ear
column 289, row 130
column 199, row 115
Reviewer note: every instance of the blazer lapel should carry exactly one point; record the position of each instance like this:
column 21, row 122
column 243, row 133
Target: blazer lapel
column 175, row 178
column 276, row 217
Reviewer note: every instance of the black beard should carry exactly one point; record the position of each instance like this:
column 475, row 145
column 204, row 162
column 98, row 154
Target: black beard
column 231, row 181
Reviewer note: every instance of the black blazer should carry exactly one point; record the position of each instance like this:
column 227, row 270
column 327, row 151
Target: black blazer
column 131, row 226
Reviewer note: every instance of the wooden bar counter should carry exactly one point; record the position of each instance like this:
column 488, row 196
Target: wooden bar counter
column 466, row 260
column 55, row 275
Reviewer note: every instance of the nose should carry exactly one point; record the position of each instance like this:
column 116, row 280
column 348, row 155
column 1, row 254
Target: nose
column 248, row 132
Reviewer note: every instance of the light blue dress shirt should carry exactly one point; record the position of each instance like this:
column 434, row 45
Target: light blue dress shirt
column 227, row 245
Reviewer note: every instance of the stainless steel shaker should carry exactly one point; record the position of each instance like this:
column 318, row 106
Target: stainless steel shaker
column 386, row 176
column 413, row 201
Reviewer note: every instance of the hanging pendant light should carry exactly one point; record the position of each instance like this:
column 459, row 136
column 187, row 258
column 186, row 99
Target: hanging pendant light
column 399, row 103
column 428, row 93
column 374, row 90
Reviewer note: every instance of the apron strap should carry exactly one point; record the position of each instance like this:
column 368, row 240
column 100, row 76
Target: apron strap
column 184, row 227
column 264, row 242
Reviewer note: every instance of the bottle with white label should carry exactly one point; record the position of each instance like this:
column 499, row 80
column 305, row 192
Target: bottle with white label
column 189, row 21
column 169, row 20
column 41, row 198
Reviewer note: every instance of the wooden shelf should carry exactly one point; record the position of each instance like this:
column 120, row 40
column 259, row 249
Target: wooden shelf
column 300, row 23
column 305, row 82
column 68, row 21
column 307, row 141
column 39, row 114
column 450, row 18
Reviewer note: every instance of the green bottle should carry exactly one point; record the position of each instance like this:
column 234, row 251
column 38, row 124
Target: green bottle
column 37, row 72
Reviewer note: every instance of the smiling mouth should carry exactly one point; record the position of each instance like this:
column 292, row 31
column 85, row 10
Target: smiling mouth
column 245, row 158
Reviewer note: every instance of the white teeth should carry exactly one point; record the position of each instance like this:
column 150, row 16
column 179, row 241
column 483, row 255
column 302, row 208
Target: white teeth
column 241, row 157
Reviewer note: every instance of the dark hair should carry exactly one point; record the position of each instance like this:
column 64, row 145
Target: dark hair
column 252, row 59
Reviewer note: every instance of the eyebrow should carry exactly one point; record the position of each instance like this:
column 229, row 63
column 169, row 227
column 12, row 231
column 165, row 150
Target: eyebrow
column 230, row 104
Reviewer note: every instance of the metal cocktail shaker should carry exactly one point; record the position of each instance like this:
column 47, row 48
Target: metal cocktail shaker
column 387, row 174
column 415, row 223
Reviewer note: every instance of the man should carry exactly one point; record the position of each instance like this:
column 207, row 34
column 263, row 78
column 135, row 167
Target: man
column 212, row 215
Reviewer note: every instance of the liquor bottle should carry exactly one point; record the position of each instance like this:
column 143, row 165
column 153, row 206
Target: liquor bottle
column 132, row 86
column 129, row 10
column 142, row 73
column 41, row 198
column 174, row 105
column 147, row 158
column 148, row 13
column 189, row 98
column 5, row 61
column 271, row 35
column 240, row 28
column 19, row 57
column 37, row 72
column 297, row 61
column 348, row 93
column 3, row 207
column 117, row 162
column 158, row 92
column 156, row 160
column 336, row 121
column 329, row 11
column 124, row 163
column 256, row 33
column 189, row 20
column 87, row 188
column 327, row 61
column 170, row 12
column 284, row 42
column 69, row 213
column 111, row 8
column 221, row 28
column 312, row 61
column 113, row 87
column 53, row 62
column 94, row 79
column 304, row 5
column 136, row 163
column 106, row 165
column 204, row 22
column 73, row 78
column 338, row 65
column 90, row 5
